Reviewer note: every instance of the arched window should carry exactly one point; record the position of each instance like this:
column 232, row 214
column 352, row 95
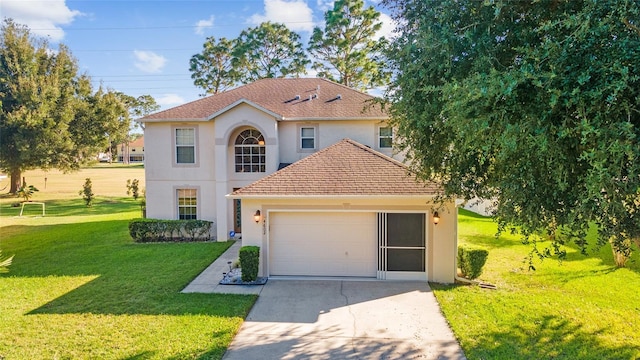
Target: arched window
column 250, row 151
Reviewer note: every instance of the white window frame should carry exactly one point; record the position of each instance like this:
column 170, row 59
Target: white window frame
column 261, row 154
column 175, row 145
column 196, row 206
column 384, row 137
column 315, row 137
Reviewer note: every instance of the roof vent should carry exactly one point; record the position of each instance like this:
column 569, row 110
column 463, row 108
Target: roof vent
column 314, row 96
column 297, row 97
column 339, row 96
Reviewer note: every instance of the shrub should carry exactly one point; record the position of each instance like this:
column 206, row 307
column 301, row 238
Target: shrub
column 87, row 192
column 471, row 261
column 154, row 230
column 249, row 260
column 26, row 191
column 133, row 188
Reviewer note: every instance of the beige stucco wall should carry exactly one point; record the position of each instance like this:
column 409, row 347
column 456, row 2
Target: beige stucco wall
column 214, row 174
column 441, row 238
column 329, row 133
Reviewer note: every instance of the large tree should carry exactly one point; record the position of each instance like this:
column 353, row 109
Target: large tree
column 212, row 70
column 269, row 50
column 50, row 117
column 534, row 104
column 346, row 50
column 266, row 51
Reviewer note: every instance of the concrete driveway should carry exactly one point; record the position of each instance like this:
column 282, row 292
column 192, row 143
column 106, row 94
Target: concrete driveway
column 334, row 319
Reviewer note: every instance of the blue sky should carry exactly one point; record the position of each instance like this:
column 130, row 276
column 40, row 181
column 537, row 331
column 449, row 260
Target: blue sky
column 143, row 47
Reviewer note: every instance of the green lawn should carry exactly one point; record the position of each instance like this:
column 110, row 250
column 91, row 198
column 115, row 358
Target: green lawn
column 79, row 288
column 582, row 308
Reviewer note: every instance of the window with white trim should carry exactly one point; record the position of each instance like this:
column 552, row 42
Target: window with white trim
column 250, row 152
column 187, row 204
column 185, row 146
column 385, row 137
column 307, row 138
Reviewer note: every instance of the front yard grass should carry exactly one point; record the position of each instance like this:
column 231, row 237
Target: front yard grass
column 79, row 288
column 581, row 308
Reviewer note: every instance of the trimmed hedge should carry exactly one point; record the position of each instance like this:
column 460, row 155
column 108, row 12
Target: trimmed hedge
column 471, row 261
column 155, row 230
column 249, row 260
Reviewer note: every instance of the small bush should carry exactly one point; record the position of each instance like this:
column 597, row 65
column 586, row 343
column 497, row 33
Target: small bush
column 154, row 230
column 471, row 261
column 249, row 260
column 26, row 191
column 133, row 188
column 87, row 192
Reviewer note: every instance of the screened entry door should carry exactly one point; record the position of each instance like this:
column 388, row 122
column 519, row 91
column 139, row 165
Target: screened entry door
column 402, row 243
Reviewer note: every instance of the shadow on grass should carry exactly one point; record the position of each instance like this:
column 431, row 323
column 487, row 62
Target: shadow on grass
column 130, row 278
column 548, row 337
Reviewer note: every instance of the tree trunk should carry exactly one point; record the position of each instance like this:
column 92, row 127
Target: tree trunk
column 620, row 257
column 16, row 180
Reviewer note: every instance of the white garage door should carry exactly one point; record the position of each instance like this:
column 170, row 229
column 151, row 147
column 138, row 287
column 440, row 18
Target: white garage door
column 323, row 244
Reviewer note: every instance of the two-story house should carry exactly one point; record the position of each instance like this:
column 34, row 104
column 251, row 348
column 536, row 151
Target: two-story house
column 204, row 158
column 131, row 151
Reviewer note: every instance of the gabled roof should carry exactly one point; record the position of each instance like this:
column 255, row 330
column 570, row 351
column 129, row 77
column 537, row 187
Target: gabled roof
column 346, row 168
column 290, row 99
column 139, row 142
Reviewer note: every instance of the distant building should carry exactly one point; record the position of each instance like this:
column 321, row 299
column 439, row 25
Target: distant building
column 131, row 152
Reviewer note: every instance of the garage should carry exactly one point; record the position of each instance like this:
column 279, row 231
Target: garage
column 348, row 211
column 323, row 244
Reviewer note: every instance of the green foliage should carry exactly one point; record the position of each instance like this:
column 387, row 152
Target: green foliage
column 5, row 262
column 346, row 50
column 269, row 50
column 50, row 116
column 26, row 191
column 87, row 192
column 154, row 230
column 133, row 188
column 471, row 261
column 212, row 70
column 249, row 262
column 534, row 104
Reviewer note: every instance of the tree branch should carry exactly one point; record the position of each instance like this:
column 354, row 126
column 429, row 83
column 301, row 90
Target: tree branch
column 631, row 26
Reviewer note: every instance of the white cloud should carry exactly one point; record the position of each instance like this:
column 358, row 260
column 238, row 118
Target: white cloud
column 296, row 14
column 148, row 61
column 202, row 25
column 325, row 5
column 168, row 100
column 387, row 29
column 43, row 17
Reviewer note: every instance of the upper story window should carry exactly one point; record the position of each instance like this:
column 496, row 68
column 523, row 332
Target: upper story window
column 385, row 137
column 250, row 154
column 185, row 146
column 307, row 138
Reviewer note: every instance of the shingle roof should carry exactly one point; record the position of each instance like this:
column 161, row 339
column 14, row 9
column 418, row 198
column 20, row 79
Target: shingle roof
column 346, row 168
column 318, row 99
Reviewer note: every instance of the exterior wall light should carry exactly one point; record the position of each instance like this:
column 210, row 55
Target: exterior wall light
column 256, row 216
column 436, row 218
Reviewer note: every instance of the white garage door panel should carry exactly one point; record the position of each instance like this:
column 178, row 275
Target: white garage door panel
column 323, row 244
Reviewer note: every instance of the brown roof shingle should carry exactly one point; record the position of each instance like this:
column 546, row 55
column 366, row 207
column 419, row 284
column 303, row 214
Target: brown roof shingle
column 318, row 99
column 346, row 168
